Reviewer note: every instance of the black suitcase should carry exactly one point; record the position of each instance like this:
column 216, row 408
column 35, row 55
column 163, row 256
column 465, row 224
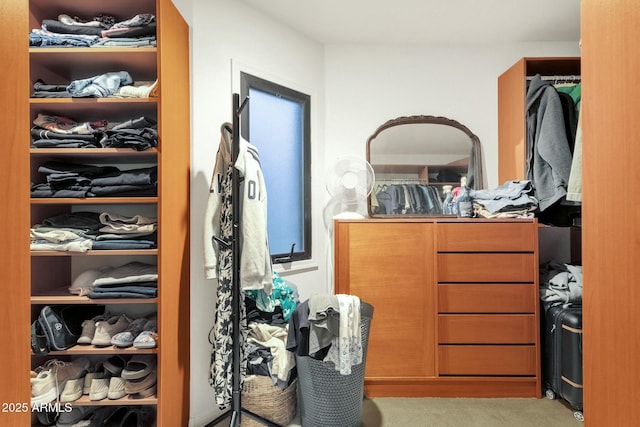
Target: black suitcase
column 562, row 356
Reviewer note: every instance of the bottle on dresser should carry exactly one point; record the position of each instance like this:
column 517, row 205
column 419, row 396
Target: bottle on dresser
column 463, row 201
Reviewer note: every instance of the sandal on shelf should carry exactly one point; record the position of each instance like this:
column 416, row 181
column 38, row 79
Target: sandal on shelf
column 115, row 364
column 148, row 338
column 142, row 384
column 139, row 366
column 126, row 337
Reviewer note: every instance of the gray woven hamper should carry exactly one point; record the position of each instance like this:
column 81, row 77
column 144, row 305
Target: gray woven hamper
column 328, row 398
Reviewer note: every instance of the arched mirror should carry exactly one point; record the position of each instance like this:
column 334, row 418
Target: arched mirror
column 416, row 160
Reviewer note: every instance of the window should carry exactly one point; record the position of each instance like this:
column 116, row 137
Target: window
column 277, row 121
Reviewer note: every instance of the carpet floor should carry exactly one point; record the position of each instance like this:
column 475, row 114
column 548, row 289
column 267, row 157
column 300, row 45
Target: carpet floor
column 459, row 412
column 466, row 412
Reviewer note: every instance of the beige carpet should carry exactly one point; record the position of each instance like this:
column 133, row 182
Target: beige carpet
column 464, row 412
column 461, row 412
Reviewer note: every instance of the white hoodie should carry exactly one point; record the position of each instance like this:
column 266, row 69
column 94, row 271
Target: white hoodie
column 255, row 259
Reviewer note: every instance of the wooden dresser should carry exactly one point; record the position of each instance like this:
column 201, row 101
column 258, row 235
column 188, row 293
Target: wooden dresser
column 456, row 304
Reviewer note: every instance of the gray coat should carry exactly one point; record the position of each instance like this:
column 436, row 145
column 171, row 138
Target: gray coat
column 548, row 152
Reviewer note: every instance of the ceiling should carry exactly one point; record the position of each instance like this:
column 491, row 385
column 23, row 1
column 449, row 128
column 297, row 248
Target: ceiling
column 427, row 21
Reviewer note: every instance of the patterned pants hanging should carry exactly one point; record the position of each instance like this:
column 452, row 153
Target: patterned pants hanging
column 221, row 370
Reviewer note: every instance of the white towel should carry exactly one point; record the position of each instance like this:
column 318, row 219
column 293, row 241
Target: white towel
column 346, row 349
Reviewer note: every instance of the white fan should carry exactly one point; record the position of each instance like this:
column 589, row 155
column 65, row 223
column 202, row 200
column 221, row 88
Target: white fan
column 349, row 181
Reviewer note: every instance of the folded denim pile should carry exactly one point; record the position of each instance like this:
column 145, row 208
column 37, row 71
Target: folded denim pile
column 513, row 199
column 82, row 231
column 76, row 180
column 53, row 131
column 132, row 280
column 68, row 31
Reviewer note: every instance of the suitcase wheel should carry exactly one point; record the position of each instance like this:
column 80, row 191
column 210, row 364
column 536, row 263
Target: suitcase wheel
column 578, row 416
column 550, row 394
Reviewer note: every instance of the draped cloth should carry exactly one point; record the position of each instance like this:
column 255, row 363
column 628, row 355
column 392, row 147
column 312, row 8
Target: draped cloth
column 221, row 368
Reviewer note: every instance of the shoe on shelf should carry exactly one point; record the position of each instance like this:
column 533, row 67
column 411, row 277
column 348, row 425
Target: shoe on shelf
column 89, row 328
column 126, row 337
column 102, row 413
column 148, row 338
column 98, row 371
column 114, row 418
column 139, row 366
column 105, row 329
column 150, row 392
column 99, row 389
column 74, row 416
column 139, row 416
column 141, row 384
column 116, row 388
column 115, row 364
column 51, row 381
column 72, row 390
column 47, row 418
column 43, row 387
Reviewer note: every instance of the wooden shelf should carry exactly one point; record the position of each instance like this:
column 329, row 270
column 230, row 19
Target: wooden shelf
column 93, row 200
column 59, row 102
column 90, row 109
column 85, row 401
column 94, row 152
column 37, row 276
column 88, row 51
column 93, row 350
column 120, row 9
column 62, row 296
column 111, row 252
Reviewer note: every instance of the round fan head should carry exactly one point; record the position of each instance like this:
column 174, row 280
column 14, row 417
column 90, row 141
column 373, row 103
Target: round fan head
column 350, row 177
column 349, row 181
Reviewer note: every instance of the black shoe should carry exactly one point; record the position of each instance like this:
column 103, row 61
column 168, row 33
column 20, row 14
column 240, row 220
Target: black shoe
column 139, row 417
column 112, row 417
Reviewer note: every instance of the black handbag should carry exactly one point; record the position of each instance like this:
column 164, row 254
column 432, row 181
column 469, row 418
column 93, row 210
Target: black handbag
column 58, row 327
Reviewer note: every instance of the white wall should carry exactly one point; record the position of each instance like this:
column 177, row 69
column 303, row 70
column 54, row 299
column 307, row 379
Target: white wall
column 224, row 31
column 354, row 89
column 368, row 85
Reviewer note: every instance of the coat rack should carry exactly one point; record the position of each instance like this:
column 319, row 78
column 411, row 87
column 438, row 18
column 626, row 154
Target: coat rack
column 236, row 409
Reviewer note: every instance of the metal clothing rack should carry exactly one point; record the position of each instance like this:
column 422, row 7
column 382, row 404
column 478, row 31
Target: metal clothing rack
column 574, row 78
column 236, row 410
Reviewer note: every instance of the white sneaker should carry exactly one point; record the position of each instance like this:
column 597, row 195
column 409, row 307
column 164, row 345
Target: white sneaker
column 99, row 389
column 98, row 372
column 43, row 387
column 105, row 329
column 51, row 381
column 116, row 388
column 72, row 390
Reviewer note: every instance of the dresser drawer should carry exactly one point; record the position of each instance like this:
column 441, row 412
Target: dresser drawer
column 486, row 329
column 487, row 298
column 487, row 237
column 478, row 267
column 486, row 360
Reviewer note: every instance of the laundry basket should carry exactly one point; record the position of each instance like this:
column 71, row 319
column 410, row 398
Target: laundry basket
column 261, row 397
column 328, row 398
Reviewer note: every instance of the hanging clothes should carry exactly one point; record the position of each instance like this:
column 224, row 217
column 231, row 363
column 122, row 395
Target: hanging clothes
column 255, row 260
column 547, row 148
column 221, row 368
column 574, row 187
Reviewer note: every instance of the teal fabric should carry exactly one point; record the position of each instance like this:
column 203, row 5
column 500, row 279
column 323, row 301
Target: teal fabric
column 284, row 294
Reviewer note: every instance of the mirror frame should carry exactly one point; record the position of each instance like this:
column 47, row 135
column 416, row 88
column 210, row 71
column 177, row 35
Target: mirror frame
column 426, row 119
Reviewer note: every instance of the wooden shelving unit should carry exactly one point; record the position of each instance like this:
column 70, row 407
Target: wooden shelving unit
column 41, row 278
